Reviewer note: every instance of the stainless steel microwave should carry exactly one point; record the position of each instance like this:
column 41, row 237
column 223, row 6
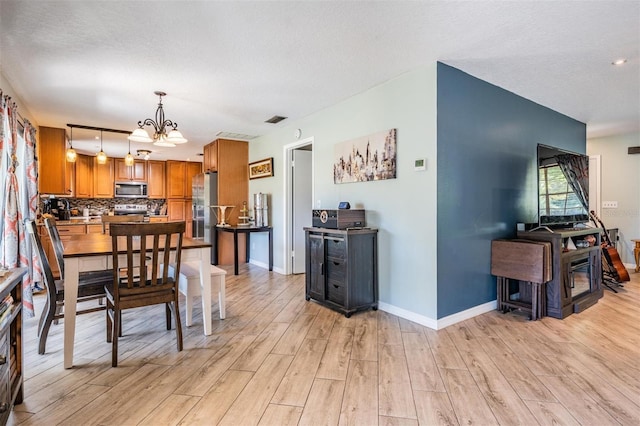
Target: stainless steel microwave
column 131, row 190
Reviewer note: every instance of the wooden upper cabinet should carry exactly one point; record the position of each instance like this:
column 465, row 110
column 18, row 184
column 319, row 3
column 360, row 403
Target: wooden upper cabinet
column 155, row 179
column 84, row 176
column 135, row 173
column 176, row 177
column 70, row 178
column 52, row 146
column 103, row 179
column 179, row 175
column 193, row 169
column 210, row 158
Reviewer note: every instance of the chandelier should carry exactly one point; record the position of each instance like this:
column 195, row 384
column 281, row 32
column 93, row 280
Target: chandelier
column 160, row 126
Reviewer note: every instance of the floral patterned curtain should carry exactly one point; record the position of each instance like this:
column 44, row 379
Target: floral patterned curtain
column 13, row 241
column 576, row 171
column 28, row 184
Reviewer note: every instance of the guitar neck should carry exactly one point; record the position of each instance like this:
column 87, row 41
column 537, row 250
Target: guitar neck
column 597, row 221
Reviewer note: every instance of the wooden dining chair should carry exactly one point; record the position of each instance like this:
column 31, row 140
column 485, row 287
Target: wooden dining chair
column 147, row 246
column 90, row 287
column 107, row 220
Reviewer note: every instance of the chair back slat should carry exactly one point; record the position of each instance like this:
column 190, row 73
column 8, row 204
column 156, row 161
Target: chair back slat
column 49, row 281
column 147, row 246
column 56, row 242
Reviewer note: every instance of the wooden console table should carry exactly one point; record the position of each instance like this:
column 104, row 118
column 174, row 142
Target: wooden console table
column 246, row 230
column 636, row 254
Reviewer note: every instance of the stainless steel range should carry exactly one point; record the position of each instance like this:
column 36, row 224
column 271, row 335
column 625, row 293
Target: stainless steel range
column 124, row 209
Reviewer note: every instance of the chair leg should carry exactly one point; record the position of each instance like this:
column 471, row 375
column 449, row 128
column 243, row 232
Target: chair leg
column 43, row 315
column 43, row 331
column 168, row 314
column 176, row 315
column 115, row 334
column 109, row 322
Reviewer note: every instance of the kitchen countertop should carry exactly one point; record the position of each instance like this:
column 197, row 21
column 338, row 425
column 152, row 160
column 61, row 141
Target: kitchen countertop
column 91, row 220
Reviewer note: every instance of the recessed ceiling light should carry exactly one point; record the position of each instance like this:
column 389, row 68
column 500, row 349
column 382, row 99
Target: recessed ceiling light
column 620, row 61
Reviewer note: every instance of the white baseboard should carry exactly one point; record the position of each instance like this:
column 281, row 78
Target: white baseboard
column 266, row 266
column 443, row 322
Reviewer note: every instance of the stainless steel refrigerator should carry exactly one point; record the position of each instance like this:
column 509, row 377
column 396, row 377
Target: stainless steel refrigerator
column 204, row 195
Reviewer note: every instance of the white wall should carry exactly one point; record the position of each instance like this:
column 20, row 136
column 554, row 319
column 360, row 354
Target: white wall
column 620, row 177
column 7, row 89
column 403, row 209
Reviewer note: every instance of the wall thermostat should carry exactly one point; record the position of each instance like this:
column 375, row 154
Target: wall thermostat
column 420, row 164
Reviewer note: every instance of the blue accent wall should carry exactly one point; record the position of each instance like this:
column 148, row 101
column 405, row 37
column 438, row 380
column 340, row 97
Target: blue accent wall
column 486, row 177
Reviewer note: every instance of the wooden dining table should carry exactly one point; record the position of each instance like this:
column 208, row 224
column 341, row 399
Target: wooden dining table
column 93, row 252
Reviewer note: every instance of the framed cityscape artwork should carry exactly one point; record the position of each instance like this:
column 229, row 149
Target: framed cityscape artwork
column 367, row 158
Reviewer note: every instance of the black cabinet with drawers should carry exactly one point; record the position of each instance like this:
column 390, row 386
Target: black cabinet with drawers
column 342, row 268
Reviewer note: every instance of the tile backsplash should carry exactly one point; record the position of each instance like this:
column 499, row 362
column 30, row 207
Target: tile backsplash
column 104, row 205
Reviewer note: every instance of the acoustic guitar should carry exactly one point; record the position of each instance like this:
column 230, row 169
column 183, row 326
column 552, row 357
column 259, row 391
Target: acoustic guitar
column 610, row 253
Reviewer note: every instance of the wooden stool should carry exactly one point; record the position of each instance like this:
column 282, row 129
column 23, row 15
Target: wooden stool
column 189, row 285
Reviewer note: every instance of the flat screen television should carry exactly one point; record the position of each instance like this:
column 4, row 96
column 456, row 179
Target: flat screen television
column 563, row 187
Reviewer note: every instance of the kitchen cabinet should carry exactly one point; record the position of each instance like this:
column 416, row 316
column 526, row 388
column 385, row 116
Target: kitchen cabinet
column 192, row 170
column 342, row 268
column 175, row 209
column 103, row 179
column 156, row 219
column 176, row 178
column 179, row 176
column 210, row 157
column 70, row 178
column 84, row 176
column 52, row 169
column 230, row 159
column 135, row 173
column 155, row 179
column 11, row 358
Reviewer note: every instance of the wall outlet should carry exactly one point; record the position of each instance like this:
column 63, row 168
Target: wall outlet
column 318, row 204
column 609, row 204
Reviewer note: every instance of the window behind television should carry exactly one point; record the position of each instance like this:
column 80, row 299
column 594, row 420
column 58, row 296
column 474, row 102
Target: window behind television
column 563, row 186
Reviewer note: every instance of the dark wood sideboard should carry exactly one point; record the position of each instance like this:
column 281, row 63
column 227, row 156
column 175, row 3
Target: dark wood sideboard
column 342, row 268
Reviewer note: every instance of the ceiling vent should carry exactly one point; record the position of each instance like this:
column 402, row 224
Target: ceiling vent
column 275, row 119
column 231, row 135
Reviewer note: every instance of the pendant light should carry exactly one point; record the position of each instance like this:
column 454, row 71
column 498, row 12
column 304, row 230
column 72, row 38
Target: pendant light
column 71, row 153
column 101, row 156
column 128, row 160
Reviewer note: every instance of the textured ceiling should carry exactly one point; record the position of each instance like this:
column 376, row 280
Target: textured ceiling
column 229, row 66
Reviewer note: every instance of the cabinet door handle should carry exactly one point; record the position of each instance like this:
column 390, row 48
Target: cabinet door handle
column 322, row 268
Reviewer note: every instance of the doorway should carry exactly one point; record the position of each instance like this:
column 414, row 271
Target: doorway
column 299, row 202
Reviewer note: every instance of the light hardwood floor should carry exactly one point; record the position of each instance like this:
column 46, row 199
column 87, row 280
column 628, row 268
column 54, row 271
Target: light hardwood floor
column 279, row 360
